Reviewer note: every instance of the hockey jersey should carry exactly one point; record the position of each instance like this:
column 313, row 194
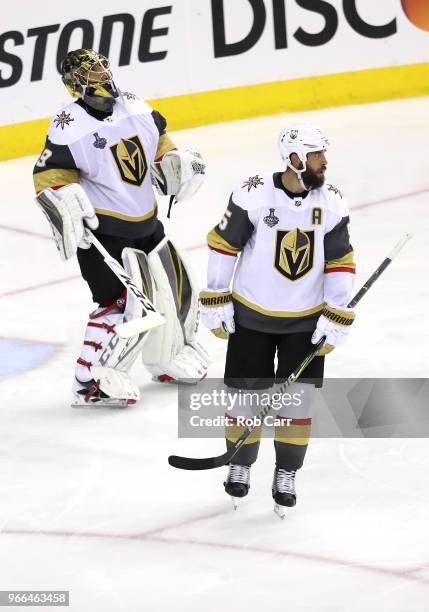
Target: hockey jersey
column 111, row 159
column 294, row 254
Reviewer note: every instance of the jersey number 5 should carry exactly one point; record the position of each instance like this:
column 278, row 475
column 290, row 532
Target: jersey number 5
column 224, row 222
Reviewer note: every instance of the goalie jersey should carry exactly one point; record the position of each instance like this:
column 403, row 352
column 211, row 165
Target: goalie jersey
column 111, row 158
column 294, row 254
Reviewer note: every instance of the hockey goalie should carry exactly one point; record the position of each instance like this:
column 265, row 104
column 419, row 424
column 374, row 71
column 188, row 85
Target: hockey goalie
column 104, row 155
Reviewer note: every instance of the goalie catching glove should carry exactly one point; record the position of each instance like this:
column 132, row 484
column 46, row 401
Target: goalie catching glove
column 68, row 210
column 334, row 323
column 179, row 173
column 217, row 312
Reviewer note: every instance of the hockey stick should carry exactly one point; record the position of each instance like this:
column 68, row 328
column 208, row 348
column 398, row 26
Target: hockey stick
column 150, row 316
column 207, row 463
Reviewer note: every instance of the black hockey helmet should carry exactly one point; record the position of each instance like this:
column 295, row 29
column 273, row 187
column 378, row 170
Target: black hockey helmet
column 87, row 75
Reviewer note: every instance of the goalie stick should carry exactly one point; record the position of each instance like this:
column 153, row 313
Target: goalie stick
column 207, row 463
column 150, row 316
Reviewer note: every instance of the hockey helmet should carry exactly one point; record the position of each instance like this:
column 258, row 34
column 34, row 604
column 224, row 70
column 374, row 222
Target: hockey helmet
column 301, row 139
column 87, row 75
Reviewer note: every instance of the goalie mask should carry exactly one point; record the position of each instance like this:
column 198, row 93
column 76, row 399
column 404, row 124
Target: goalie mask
column 301, row 139
column 87, row 75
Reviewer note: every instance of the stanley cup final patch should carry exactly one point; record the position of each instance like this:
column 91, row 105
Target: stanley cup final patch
column 294, row 254
column 271, row 220
column 99, row 143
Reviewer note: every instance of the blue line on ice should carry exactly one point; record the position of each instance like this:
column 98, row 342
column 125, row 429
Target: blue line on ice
column 16, row 356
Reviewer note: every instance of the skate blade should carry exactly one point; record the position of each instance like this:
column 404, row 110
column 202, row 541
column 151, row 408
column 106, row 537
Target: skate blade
column 80, row 403
column 178, row 381
column 280, row 511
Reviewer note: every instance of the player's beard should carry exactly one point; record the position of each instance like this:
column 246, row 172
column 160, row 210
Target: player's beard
column 312, row 180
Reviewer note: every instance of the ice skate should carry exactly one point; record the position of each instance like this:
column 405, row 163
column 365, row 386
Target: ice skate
column 283, row 490
column 110, row 389
column 237, row 482
column 92, row 396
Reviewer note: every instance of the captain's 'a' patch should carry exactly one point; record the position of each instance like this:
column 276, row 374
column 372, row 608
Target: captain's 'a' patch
column 294, row 254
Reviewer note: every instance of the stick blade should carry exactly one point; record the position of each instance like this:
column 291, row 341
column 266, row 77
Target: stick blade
column 194, row 463
column 140, row 325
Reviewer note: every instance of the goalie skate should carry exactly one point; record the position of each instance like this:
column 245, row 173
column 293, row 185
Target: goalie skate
column 109, row 389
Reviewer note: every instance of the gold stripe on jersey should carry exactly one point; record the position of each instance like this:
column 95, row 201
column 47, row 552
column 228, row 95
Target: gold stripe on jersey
column 277, row 313
column 220, row 244
column 111, row 213
column 55, row 177
column 165, row 144
column 347, row 261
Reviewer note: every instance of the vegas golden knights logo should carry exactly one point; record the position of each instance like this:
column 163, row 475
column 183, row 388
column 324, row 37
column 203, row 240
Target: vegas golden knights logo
column 294, row 252
column 129, row 156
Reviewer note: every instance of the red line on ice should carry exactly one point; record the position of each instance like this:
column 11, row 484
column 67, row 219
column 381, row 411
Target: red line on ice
column 154, row 535
column 39, row 286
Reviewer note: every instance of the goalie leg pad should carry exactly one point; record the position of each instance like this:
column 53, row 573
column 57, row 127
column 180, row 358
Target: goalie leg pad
column 172, row 349
column 99, row 336
column 106, row 358
column 122, row 353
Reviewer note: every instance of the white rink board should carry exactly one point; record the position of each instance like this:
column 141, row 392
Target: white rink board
column 283, row 44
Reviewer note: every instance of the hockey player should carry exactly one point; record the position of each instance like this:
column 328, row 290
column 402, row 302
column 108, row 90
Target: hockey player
column 102, row 153
column 290, row 287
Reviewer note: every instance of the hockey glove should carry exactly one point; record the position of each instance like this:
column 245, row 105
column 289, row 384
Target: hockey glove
column 334, row 323
column 179, row 173
column 68, row 210
column 217, row 312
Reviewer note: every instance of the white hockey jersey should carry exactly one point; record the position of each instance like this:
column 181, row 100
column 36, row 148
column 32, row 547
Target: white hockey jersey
column 111, row 159
column 295, row 254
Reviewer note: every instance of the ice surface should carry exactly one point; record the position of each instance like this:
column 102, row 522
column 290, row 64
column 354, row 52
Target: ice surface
column 87, row 500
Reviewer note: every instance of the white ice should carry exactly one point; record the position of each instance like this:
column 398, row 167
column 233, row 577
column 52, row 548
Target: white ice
column 88, row 502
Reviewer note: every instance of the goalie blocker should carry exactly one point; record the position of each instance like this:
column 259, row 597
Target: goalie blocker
column 170, row 352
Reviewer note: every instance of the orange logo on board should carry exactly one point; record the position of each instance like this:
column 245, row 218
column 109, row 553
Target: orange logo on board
column 417, row 12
